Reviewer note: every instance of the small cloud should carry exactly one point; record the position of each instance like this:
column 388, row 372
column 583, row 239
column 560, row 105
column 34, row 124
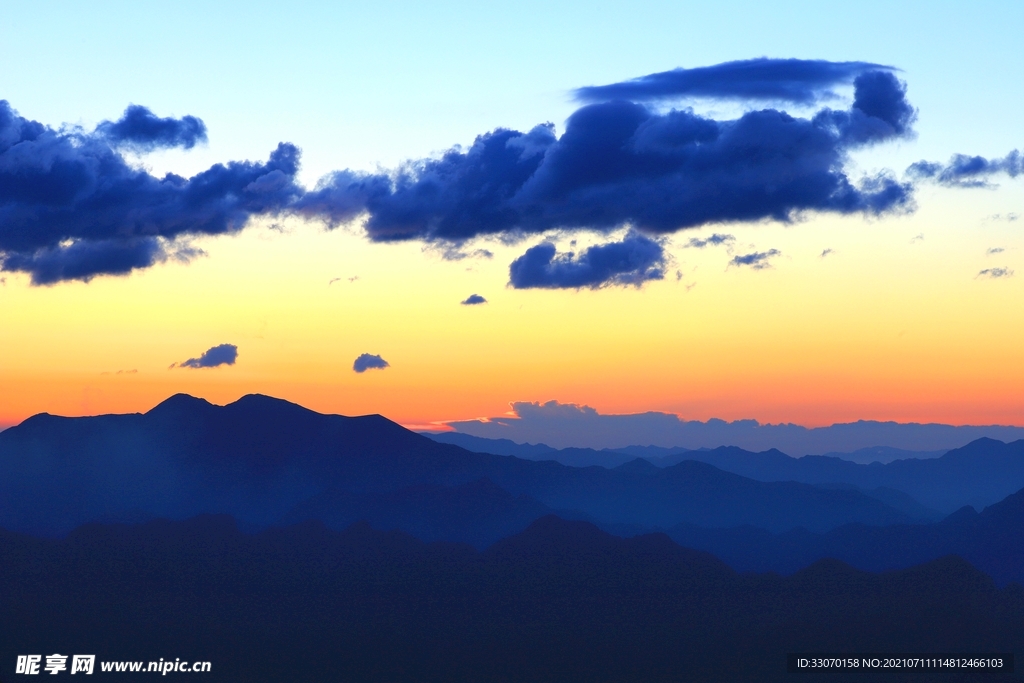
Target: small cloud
column 712, row 241
column 224, row 354
column 454, row 252
column 690, row 286
column 369, row 361
column 679, row 275
column 995, row 273
column 141, row 129
column 919, row 237
column 758, row 260
column 633, row 261
column 128, row 372
column 339, row 279
column 473, row 300
column 994, row 250
column 826, row 253
column 968, row 171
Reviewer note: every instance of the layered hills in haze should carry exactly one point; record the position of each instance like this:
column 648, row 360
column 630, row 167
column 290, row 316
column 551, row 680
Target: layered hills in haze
column 264, row 461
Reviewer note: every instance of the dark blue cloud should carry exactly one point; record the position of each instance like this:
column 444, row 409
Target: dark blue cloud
column 473, row 300
column 633, row 261
column 367, row 361
column 714, row 241
column 142, row 129
column 802, row 81
column 758, row 260
column 968, row 171
column 224, row 354
column 620, row 163
column 71, row 207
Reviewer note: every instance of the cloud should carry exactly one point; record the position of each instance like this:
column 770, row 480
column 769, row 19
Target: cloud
column 968, row 171
column 224, row 354
column 633, row 261
column 758, row 260
column 620, row 163
column 826, row 252
column 83, row 259
column 994, row 250
column 368, row 361
column 473, row 300
column 141, row 129
column 995, row 273
column 566, row 425
column 801, row 81
column 453, row 252
column 713, row 240
column 71, row 207
column 919, row 237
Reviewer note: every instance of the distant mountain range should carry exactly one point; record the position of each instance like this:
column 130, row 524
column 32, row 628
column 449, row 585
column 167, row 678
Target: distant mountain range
column 264, row 460
column 992, row 540
column 657, row 455
column 979, row 474
column 561, row 601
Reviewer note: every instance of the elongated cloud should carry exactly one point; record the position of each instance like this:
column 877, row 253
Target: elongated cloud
column 995, row 273
column 758, row 260
column 633, row 261
column 802, row 81
column 713, row 241
column 71, row 207
column 620, row 163
column 224, row 354
column 142, row 129
column 968, row 171
column 474, row 300
column 368, row 361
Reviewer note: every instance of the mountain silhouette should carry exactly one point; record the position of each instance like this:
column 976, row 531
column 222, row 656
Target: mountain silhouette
column 992, row 540
column 263, row 460
column 981, row 473
column 560, row 601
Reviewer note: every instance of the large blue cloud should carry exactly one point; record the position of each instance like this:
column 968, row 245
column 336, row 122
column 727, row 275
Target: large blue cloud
column 633, row 261
column 801, row 81
column 620, row 163
column 71, row 207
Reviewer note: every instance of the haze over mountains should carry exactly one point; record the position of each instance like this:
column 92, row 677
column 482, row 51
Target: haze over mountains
column 562, row 425
column 264, row 460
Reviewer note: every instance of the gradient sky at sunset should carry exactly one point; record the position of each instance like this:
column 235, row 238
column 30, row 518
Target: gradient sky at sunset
column 915, row 314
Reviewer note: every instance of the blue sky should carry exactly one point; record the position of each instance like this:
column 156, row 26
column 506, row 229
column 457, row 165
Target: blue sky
column 360, row 84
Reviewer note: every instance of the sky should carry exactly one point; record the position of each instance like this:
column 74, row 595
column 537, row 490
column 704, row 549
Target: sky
column 714, row 210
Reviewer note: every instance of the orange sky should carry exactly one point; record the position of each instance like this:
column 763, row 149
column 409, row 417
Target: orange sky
column 887, row 326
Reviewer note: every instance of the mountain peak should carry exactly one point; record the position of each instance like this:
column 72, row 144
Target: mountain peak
column 180, row 403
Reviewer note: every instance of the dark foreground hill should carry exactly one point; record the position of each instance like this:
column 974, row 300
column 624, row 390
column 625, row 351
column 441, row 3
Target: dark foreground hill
column 992, row 540
column 561, row 602
column 263, row 460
